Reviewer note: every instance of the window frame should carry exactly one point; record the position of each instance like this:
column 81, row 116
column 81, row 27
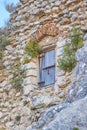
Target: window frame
column 40, row 69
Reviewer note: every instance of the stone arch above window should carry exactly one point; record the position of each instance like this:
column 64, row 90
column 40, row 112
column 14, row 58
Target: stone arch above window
column 48, row 29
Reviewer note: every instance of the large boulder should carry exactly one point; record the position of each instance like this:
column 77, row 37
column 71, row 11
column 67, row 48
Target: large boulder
column 74, row 116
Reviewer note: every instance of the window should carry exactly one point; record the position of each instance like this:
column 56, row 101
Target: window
column 47, row 68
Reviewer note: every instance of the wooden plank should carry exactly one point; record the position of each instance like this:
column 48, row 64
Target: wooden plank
column 47, row 68
column 49, row 76
column 50, row 58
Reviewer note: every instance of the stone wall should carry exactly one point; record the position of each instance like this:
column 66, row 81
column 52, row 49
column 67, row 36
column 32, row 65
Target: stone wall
column 48, row 22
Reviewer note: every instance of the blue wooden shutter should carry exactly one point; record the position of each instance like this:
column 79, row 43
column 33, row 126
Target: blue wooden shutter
column 49, row 58
column 49, row 76
column 49, row 69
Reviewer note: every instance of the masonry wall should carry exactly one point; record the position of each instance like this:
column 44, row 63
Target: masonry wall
column 48, row 22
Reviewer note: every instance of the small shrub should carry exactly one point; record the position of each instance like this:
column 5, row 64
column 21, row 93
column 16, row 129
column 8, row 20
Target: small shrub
column 18, row 75
column 76, row 37
column 4, row 41
column 33, row 48
column 17, row 79
column 75, row 128
column 67, row 62
column 1, row 55
column 26, row 60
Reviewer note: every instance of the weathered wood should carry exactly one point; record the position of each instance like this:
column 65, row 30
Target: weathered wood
column 47, row 68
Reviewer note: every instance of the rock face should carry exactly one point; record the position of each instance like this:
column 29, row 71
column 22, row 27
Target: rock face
column 72, row 113
column 74, row 116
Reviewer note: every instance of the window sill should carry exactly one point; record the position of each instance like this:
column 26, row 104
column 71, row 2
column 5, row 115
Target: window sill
column 46, row 86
